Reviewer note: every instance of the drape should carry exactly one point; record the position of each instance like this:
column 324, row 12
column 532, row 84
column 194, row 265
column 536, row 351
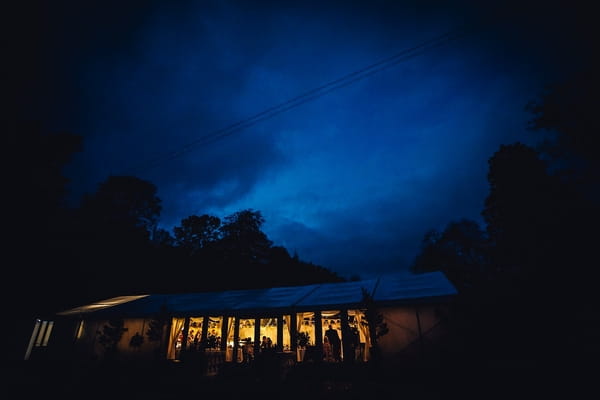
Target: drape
column 363, row 329
column 288, row 322
column 299, row 320
column 176, row 325
column 230, row 322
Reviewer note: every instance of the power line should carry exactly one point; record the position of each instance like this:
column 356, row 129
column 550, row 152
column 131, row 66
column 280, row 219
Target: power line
column 313, row 94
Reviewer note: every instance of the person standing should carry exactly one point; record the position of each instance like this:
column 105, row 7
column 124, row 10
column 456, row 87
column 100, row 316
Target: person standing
column 247, row 353
column 335, row 342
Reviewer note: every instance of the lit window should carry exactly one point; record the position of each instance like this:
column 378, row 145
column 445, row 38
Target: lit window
column 39, row 336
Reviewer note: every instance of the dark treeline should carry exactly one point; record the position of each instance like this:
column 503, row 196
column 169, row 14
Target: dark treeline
column 527, row 278
column 111, row 245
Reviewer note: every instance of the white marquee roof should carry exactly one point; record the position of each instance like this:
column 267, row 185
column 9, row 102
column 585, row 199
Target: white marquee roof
column 386, row 289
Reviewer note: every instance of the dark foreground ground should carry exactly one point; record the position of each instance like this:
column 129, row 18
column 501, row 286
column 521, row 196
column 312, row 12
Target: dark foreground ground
column 166, row 380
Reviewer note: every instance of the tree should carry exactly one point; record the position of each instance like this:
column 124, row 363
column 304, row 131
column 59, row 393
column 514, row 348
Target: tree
column 38, row 183
column 377, row 325
column 284, row 270
column 36, row 207
column 110, row 336
column 197, row 232
column 162, row 237
column 36, row 216
column 136, row 341
column 568, row 110
column 124, row 206
column 243, row 239
column 116, row 224
column 460, row 251
column 535, row 230
column 524, row 215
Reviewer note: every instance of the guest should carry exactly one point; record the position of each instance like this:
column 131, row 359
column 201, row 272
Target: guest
column 336, row 344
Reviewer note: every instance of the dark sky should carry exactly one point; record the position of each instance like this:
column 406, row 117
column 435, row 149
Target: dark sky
column 350, row 180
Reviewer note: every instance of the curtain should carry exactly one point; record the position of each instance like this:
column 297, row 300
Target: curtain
column 201, row 329
column 230, row 322
column 299, row 320
column 228, row 350
column 363, row 329
column 176, row 325
column 288, row 321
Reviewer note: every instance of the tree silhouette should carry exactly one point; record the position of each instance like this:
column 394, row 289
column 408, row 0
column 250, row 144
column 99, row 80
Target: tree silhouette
column 541, row 215
column 242, row 236
column 124, row 206
column 136, row 341
column 377, row 325
column 197, row 232
column 110, row 336
column 37, row 218
column 520, row 211
column 115, row 229
column 244, row 249
column 162, row 237
column 234, row 254
column 567, row 110
column 460, row 251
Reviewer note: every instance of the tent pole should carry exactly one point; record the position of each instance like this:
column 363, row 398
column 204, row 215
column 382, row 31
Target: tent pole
column 280, row 332
column 236, row 339
column 420, row 332
column 293, row 331
column 319, row 333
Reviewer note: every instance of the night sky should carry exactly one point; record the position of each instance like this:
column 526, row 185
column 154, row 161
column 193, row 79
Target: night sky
column 350, row 180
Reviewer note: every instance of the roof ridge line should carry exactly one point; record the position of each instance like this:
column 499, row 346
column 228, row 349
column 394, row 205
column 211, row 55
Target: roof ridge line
column 375, row 287
column 307, row 294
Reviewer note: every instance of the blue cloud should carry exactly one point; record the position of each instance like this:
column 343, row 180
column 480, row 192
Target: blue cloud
column 351, row 180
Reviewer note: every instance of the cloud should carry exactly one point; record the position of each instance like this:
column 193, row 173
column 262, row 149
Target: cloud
column 351, row 180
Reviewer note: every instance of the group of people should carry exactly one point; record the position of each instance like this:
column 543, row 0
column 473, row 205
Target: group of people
column 213, row 341
column 266, row 345
column 332, row 345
